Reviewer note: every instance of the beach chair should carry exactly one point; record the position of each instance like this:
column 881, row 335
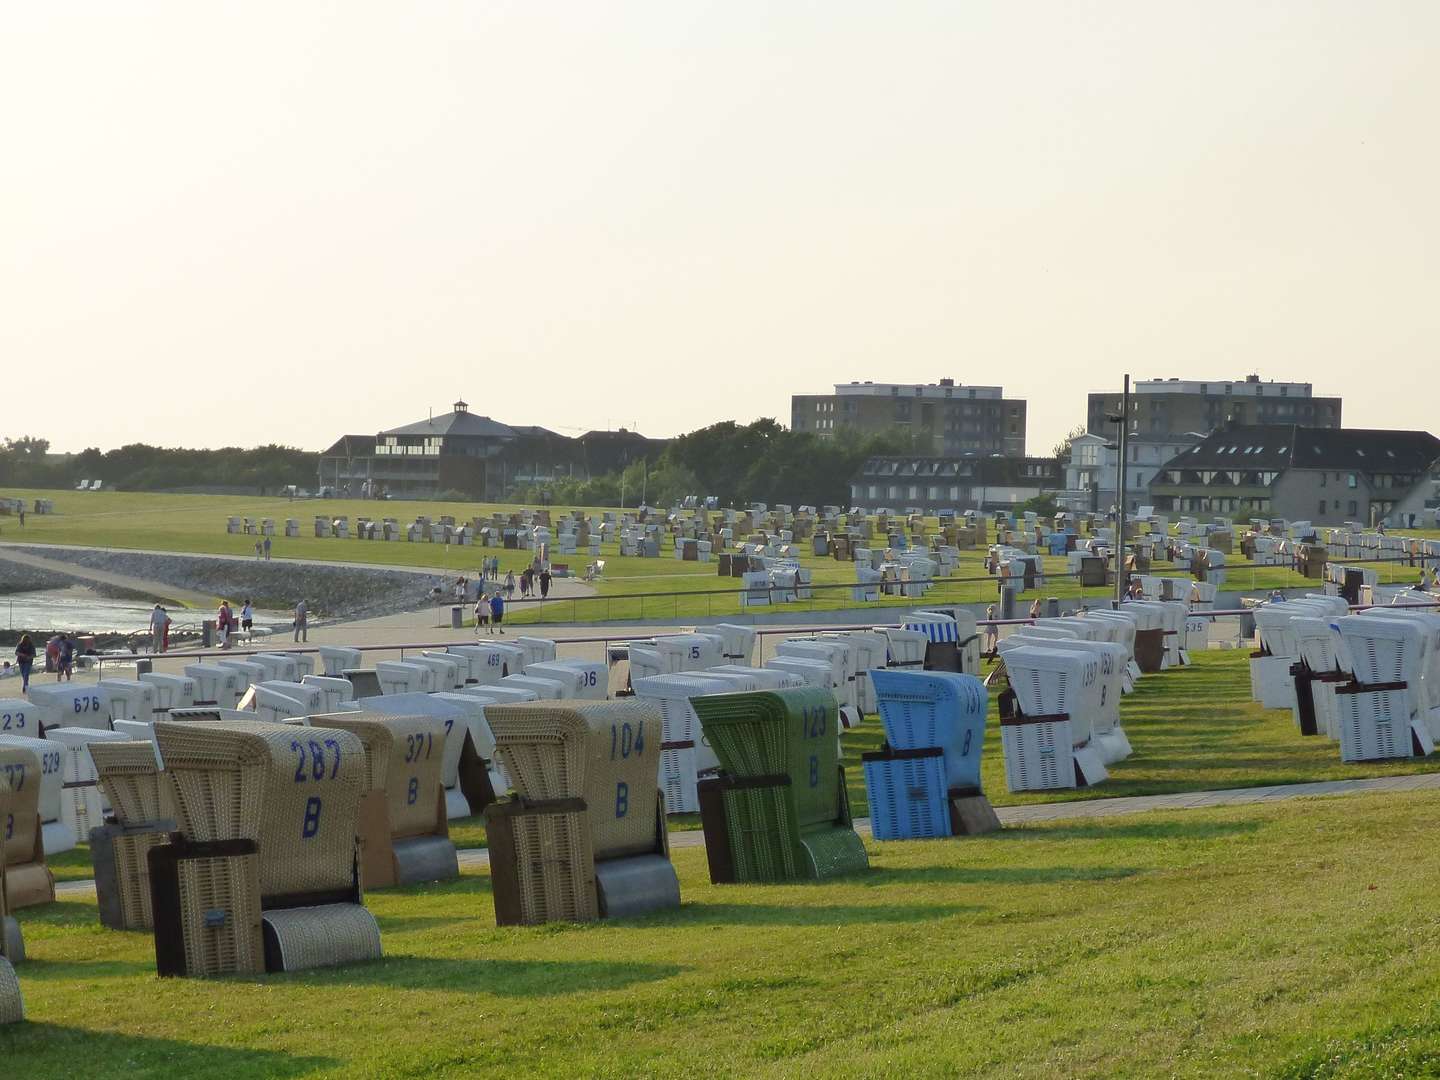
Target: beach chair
column 129, row 775
column 12, row 944
column 1046, row 718
column 404, row 830
column 683, row 752
column 778, row 810
column 57, row 835
column 925, row 781
column 584, row 836
column 28, row 880
column 334, row 659
column 216, row 684
column 262, row 874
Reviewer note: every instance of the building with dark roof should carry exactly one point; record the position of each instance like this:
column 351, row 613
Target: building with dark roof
column 965, row 483
column 1328, row 476
column 465, row 452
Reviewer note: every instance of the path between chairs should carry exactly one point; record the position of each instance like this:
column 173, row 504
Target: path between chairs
column 1094, row 808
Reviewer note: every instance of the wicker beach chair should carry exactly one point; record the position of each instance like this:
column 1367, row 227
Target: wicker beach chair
column 925, row 780
column 262, row 875
column 584, row 837
column 28, row 880
column 12, row 948
column 129, row 775
column 778, row 811
column 404, row 830
column 56, row 834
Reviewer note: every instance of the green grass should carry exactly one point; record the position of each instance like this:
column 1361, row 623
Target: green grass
column 1284, row 940
column 196, row 524
column 1290, row 940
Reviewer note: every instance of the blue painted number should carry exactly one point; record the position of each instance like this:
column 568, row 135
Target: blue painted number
column 311, row 825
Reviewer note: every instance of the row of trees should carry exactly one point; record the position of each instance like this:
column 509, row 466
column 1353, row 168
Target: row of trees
column 739, row 464
column 26, row 462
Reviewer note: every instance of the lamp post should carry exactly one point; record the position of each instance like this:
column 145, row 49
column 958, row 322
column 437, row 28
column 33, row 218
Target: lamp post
column 1124, row 421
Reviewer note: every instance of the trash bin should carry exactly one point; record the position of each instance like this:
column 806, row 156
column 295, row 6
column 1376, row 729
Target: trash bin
column 207, row 633
column 457, row 617
column 1052, row 607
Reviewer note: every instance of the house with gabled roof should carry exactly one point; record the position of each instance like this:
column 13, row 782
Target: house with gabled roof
column 1325, row 475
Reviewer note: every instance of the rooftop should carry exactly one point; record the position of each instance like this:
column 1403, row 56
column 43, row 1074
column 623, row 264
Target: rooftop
column 1282, row 446
column 945, row 388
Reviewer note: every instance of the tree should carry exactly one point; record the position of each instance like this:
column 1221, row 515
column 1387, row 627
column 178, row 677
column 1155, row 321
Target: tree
column 1062, row 448
column 28, row 446
column 1043, row 504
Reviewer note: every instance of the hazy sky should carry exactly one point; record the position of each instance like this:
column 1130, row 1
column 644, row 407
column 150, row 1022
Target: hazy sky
column 254, row 221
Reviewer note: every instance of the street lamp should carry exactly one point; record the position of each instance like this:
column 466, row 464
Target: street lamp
column 1123, row 420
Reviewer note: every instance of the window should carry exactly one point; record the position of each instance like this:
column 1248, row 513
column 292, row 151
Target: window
column 1322, row 507
column 1354, row 508
column 1351, row 482
column 1322, row 483
column 1139, row 479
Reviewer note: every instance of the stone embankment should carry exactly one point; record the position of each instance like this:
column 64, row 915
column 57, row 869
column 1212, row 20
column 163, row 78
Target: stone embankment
column 331, row 591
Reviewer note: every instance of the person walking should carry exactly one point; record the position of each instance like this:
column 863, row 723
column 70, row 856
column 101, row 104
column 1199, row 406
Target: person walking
column 544, row 583
column 258, row 550
column 302, row 632
column 67, row 660
column 1035, row 608
column 223, row 619
column 25, row 660
column 482, row 613
column 992, row 632
column 266, row 545
column 157, row 628
column 509, row 584
column 22, row 517
column 497, row 612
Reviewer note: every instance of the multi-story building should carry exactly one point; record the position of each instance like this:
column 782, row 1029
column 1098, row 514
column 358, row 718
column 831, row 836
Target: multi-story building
column 1093, row 472
column 461, row 451
column 970, row 483
column 1303, row 474
column 1167, row 406
column 941, row 418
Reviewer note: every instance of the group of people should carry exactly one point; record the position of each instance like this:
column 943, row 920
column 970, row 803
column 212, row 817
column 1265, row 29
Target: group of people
column 262, row 549
column 60, row 653
column 228, row 626
column 159, row 629
column 490, row 612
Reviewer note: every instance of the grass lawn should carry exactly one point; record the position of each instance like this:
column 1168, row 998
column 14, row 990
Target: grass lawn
column 1285, row 940
column 628, row 591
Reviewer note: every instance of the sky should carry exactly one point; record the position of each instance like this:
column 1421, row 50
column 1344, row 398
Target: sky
column 238, row 223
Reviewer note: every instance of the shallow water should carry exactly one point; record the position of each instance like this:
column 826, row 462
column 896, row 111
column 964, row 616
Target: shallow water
column 81, row 610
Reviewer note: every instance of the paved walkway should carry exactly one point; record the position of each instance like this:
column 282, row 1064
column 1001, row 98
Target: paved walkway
column 1060, row 811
